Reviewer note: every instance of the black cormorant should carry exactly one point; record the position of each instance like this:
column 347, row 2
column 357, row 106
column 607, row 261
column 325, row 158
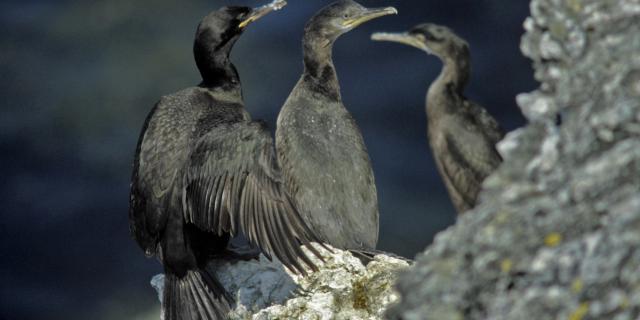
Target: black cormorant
column 204, row 172
column 324, row 160
column 461, row 133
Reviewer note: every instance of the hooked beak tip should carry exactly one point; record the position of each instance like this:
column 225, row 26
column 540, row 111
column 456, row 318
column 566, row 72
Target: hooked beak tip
column 392, row 10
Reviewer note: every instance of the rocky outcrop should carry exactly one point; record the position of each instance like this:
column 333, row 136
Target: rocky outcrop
column 557, row 235
column 343, row 288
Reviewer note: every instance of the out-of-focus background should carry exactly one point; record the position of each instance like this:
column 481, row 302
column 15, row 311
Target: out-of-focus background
column 77, row 79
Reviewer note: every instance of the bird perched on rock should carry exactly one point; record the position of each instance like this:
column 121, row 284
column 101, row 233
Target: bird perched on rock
column 461, row 133
column 320, row 148
column 204, row 172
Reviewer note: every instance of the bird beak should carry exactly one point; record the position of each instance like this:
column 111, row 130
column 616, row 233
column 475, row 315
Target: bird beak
column 402, row 37
column 262, row 11
column 369, row 14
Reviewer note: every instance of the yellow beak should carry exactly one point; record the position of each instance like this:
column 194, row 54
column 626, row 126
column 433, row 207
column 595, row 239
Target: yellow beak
column 401, row 37
column 368, row 15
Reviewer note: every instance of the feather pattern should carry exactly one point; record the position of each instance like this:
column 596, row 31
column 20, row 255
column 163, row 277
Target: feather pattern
column 197, row 295
column 204, row 172
column 463, row 142
column 233, row 184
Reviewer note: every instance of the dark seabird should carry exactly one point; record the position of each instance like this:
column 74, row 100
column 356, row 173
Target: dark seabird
column 204, row 172
column 324, row 160
column 462, row 134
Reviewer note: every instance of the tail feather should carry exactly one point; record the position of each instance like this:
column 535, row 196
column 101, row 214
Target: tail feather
column 196, row 296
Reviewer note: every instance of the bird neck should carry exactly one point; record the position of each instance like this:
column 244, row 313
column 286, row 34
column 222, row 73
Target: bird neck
column 318, row 65
column 449, row 86
column 454, row 74
column 219, row 74
column 214, row 64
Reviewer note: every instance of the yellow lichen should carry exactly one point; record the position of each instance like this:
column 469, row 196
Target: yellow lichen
column 553, row 239
column 502, row 217
column 625, row 303
column 576, row 285
column 557, row 30
column 489, row 231
column 359, row 295
column 575, row 5
column 506, row 265
column 580, row 312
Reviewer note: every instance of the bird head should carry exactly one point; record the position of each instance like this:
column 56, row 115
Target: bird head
column 431, row 38
column 215, row 37
column 221, row 28
column 341, row 17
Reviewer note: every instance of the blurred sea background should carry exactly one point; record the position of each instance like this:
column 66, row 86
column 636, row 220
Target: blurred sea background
column 77, row 79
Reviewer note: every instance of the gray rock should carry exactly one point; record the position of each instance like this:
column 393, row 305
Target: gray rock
column 343, row 288
column 557, row 234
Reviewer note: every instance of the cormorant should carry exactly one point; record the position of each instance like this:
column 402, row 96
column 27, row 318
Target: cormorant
column 204, row 172
column 462, row 134
column 320, row 148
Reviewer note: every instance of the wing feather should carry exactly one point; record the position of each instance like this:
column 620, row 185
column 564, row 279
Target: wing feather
column 468, row 160
column 233, row 184
column 492, row 128
column 274, row 246
column 222, row 222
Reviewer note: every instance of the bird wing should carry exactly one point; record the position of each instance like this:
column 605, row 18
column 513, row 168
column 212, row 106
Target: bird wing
column 233, row 184
column 160, row 148
column 468, row 160
column 491, row 127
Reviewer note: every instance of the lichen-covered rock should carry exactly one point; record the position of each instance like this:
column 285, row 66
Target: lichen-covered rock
column 343, row 288
column 557, row 234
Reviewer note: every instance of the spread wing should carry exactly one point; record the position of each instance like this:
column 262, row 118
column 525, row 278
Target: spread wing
column 233, row 184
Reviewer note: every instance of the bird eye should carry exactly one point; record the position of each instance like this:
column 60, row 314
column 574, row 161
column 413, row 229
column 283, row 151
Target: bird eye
column 346, row 16
column 430, row 37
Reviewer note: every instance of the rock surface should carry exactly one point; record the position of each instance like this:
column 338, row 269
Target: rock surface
column 557, row 235
column 343, row 288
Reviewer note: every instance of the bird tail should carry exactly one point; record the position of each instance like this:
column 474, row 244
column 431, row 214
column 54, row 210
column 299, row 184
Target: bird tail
column 196, row 296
